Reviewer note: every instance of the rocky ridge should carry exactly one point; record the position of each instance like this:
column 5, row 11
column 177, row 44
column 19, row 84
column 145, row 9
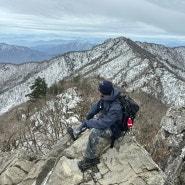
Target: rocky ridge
column 127, row 163
column 120, row 60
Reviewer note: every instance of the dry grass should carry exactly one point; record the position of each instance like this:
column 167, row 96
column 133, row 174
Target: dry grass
column 12, row 126
column 148, row 119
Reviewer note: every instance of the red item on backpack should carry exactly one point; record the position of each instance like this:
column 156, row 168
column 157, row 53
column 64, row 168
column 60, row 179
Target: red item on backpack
column 129, row 123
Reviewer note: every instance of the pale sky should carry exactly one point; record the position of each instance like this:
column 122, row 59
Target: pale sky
column 134, row 19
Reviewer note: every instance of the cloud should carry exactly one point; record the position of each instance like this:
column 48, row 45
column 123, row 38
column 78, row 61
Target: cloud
column 103, row 18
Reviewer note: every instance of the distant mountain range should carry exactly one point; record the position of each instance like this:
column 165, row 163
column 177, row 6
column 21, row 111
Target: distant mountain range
column 63, row 48
column 20, row 54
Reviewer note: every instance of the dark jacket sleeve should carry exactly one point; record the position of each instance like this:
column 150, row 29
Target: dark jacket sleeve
column 94, row 110
column 107, row 120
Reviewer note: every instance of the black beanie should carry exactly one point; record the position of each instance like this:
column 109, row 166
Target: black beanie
column 105, row 87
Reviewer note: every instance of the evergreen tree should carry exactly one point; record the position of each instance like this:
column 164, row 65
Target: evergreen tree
column 39, row 89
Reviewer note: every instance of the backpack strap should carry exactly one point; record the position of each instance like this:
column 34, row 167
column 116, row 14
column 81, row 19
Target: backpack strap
column 112, row 141
column 108, row 107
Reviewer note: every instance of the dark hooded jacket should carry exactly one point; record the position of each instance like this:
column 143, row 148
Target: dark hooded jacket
column 110, row 113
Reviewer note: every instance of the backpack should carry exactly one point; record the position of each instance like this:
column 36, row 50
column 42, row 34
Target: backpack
column 129, row 109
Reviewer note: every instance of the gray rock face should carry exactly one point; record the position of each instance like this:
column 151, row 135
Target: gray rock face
column 15, row 169
column 171, row 138
column 127, row 163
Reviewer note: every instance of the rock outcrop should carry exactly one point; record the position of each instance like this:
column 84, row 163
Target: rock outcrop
column 170, row 144
column 127, row 163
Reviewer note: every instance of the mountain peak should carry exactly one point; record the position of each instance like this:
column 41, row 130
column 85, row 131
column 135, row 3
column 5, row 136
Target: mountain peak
column 150, row 69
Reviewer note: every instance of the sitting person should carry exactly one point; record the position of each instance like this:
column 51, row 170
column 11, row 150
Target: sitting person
column 104, row 126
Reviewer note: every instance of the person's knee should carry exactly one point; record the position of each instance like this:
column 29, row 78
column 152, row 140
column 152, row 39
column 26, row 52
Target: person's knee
column 94, row 132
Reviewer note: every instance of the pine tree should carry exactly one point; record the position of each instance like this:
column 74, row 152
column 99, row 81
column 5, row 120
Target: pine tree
column 39, row 89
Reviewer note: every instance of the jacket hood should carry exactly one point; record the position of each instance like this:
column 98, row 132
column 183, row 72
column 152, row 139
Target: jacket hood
column 114, row 94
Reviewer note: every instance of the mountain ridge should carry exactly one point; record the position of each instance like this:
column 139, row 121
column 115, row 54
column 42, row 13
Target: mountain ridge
column 120, row 60
column 22, row 54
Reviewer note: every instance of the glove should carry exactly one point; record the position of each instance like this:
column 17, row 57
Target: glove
column 89, row 116
column 84, row 123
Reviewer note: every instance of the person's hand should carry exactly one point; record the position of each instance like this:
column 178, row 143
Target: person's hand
column 84, row 123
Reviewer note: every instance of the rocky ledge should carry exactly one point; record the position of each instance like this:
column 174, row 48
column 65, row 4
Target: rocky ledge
column 127, row 163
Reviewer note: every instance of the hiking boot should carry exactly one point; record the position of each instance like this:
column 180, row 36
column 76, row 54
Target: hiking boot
column 70, row 132
column 87, row 163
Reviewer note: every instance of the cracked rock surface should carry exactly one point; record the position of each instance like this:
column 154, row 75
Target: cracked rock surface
column 127, row 163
